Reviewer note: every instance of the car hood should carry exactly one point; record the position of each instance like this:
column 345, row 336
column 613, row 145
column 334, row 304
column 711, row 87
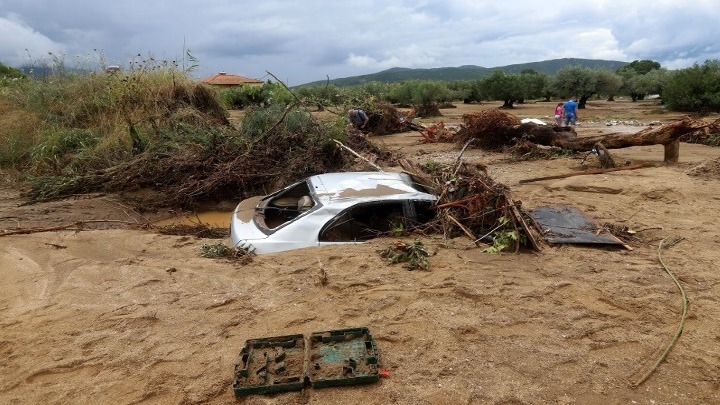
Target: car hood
column 243, row 220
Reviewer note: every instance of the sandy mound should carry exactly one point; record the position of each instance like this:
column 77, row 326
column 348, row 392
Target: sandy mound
column 709, row 170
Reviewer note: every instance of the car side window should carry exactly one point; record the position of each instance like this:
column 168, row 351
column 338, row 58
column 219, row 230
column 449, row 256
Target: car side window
column 363, row 222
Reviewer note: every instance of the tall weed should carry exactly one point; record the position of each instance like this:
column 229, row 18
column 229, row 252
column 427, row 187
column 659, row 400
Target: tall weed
column 85, row 121
column 18, row 133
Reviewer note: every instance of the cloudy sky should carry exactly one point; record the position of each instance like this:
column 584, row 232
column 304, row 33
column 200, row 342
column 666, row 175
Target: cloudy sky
column 300, row 41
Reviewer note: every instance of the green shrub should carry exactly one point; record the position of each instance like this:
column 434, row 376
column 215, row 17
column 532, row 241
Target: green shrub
column 246, row 96
column 259, row 122
column 694, row 89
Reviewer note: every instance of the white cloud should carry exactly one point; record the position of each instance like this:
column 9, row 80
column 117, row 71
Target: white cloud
column 305, row 41
column 361, row 60
column 20, row 44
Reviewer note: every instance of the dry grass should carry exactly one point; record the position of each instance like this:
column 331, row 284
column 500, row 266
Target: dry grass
column 19, row 131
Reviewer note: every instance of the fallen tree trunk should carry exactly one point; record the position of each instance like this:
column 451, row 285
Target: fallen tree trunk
column 667, row 135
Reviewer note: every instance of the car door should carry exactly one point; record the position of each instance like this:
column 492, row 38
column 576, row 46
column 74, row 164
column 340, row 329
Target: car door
column 362, row 222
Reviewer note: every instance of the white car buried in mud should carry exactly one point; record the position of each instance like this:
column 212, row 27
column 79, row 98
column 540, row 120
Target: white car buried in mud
column 331, row 208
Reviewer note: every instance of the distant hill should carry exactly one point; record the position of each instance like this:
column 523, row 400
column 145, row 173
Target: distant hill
column 468, row 72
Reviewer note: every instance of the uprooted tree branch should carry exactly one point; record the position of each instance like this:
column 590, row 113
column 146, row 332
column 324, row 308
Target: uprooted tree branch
column 667, row 135
column 495, row 129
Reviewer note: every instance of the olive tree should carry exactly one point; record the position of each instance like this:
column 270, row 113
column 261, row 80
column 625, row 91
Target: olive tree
column 503, row 86
column 423, row 95
column 578, row 81
column 534, row 84
column 470, row 91
column 640, row 67
column 461, row 90
column 696, row 88
column 633, row 77
column 608, row 83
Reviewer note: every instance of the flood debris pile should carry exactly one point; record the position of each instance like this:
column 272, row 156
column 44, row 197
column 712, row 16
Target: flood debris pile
column 386, row 119
column 438, row 132
column 491, row 129
column 364, row 152
column 526, row 150
column 497, row 130
column 274, row 145
column 472, row 204
column 710, row 135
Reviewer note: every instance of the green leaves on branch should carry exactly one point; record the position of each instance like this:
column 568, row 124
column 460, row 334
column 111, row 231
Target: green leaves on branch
column 415, row 255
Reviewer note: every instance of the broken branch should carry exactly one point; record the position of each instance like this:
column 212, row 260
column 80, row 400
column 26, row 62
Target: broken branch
column 77, row 224
column 594, row 171
column 340, row 144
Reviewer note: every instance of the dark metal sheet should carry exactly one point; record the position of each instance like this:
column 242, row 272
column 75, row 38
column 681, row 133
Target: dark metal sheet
column 566, row 224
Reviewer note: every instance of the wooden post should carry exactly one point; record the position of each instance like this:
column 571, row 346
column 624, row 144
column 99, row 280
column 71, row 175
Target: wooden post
column 672, row 151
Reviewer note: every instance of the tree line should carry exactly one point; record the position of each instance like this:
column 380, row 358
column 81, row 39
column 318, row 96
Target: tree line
column 693, row 89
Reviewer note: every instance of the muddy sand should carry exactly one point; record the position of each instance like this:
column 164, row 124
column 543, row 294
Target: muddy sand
column 120, row 315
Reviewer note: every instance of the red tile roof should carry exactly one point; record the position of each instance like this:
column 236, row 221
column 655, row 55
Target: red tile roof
column 224, row 79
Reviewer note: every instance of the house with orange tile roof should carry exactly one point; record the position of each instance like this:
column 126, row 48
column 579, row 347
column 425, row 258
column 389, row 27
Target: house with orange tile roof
column 224, row 80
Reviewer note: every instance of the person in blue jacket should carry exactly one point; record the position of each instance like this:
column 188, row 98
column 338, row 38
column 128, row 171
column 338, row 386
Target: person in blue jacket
column 570, row 108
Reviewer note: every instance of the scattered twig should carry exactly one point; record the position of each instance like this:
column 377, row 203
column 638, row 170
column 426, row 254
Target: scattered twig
column 650, row 228
column 76, row 226
column 56, row 246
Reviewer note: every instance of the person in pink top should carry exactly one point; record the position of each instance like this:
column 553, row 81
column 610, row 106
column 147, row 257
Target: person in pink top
column 559, row 114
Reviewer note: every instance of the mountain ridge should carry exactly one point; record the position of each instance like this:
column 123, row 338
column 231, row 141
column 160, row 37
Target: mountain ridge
column 467, row 72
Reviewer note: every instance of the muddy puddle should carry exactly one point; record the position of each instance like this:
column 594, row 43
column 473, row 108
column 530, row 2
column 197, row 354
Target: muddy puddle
column 217, row 218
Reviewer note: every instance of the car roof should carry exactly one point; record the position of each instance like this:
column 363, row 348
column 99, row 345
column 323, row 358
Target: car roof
column 369, row 186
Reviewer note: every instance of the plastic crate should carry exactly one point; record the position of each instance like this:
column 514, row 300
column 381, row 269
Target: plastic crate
column 269, row 365
column 342, row 357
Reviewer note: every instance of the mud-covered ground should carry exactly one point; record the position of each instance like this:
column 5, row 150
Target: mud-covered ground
column 126, row 315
